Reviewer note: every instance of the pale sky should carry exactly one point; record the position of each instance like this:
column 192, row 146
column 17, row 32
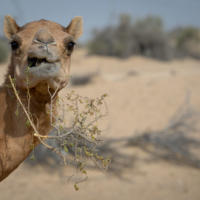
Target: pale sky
column 98, row 13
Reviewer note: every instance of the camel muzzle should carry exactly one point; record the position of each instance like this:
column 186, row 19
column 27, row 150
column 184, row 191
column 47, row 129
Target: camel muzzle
column 43, row 56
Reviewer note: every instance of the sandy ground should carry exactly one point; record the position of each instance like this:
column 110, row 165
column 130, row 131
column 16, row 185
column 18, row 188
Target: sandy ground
column 143, row 95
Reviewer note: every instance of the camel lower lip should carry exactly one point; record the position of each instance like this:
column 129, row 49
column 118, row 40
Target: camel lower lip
column 45, row 70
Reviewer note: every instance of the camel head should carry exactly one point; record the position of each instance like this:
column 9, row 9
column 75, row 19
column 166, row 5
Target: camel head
column 42, row 51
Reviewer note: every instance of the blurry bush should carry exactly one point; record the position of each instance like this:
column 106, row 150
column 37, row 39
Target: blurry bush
column 151, row 39
column 144, row 37
column 186, row 41
column 3, row 50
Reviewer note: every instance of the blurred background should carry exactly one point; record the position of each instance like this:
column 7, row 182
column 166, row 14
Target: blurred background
column 146, row 56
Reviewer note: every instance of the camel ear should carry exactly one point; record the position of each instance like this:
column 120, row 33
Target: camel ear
column 75, row 27
column 10, row 26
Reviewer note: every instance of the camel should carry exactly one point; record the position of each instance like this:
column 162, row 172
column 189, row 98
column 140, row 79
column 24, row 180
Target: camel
column 43, row 50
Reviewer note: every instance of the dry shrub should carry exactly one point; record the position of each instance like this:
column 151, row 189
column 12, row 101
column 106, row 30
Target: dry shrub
column 186, row 41
column 81, row 138
column 144, row 37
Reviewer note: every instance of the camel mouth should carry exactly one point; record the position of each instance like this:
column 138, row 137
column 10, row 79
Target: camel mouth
column 34, row 62
column 42, row 69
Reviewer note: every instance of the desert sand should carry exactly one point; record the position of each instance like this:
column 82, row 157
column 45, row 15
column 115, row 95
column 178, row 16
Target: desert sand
column 143, row 95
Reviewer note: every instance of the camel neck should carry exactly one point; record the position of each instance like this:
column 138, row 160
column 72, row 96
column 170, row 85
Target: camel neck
column 16, row 135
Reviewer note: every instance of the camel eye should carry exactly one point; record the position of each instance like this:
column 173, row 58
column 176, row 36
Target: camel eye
column 14, row 45
column 71, row 45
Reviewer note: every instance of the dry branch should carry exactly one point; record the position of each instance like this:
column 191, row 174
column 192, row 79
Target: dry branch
column 79, row 135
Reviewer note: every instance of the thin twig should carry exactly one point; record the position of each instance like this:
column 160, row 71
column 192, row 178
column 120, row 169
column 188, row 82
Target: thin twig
column 32, row 124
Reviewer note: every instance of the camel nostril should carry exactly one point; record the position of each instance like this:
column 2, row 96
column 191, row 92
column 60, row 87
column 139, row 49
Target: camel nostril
column 44, row 36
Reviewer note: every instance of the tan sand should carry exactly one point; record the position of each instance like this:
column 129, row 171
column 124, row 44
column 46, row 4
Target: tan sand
column 143, row 94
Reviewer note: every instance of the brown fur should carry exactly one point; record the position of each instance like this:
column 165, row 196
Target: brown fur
column 15, row 137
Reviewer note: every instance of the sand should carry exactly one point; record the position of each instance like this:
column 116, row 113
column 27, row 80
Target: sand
column 143, row 95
